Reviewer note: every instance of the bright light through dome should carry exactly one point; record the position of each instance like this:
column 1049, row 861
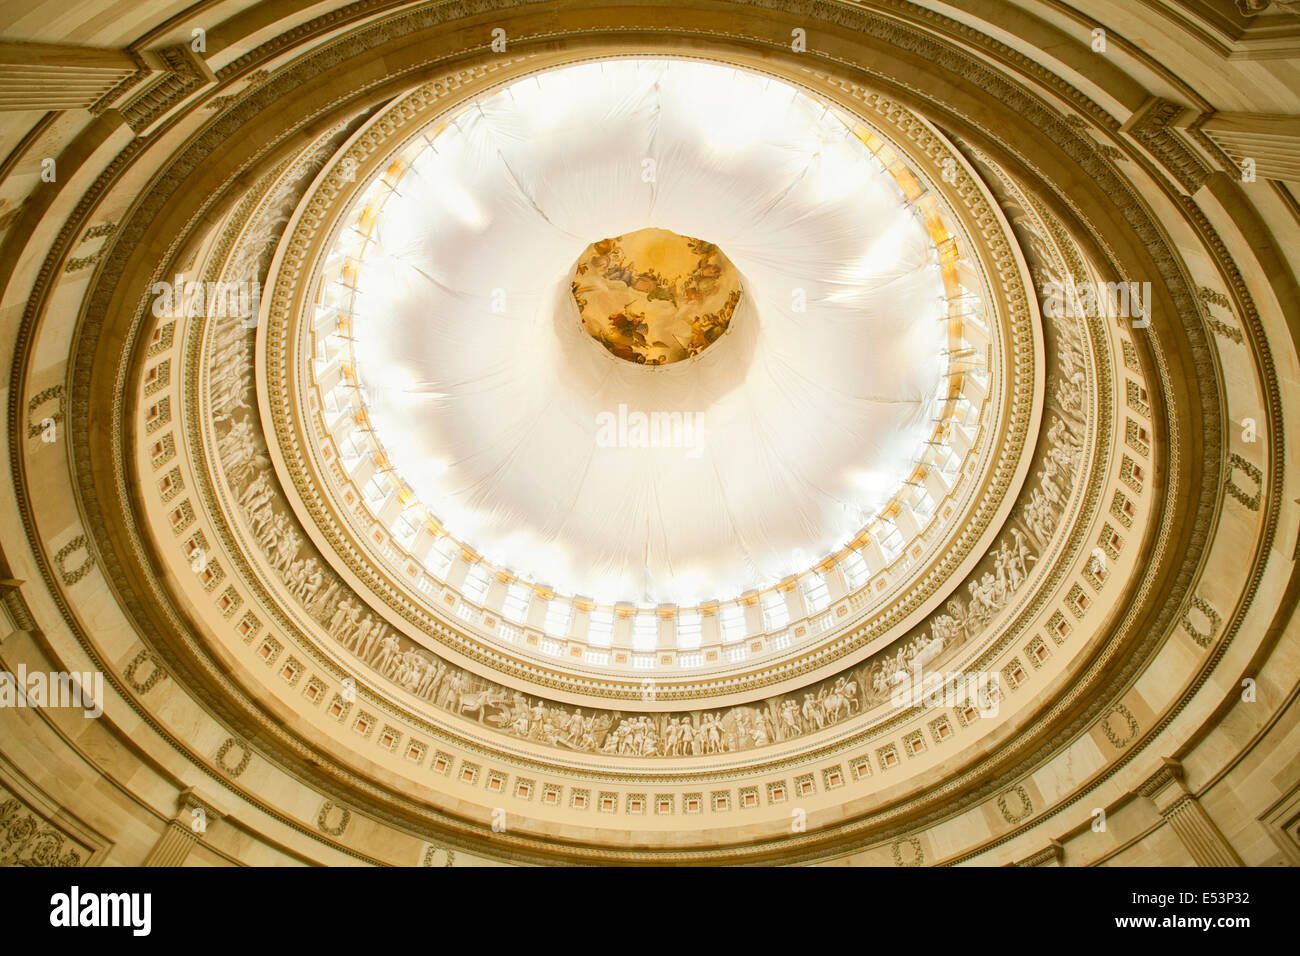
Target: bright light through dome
column 695, row 480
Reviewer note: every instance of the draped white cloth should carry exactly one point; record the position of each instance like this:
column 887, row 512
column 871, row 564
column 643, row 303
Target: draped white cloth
column 488, row 395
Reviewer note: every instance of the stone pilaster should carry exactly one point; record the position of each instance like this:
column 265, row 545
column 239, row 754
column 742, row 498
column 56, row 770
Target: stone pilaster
column 193, row 816
column 53, row 76
column 1188, row 819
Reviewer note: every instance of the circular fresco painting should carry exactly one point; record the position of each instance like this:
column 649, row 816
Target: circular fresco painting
column 653, row 297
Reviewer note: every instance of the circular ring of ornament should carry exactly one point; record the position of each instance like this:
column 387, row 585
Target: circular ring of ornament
column 909, row 580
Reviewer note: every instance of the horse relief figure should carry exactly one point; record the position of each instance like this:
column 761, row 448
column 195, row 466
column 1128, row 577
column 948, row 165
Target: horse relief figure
column 834, row 702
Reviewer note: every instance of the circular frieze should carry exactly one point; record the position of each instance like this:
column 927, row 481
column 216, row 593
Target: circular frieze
column 896, row 563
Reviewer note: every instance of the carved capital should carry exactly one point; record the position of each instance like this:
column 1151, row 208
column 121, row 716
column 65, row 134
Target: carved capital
column 179, row 75
column 1165, row 786
column 1155, row 124
column 190, row 800
column 13, row 607
column 1051, row 855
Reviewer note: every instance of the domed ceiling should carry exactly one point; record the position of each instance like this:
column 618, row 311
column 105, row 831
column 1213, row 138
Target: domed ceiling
column 459, row 311
column 637, row 441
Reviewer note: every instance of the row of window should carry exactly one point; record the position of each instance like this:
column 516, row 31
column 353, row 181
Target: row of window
column 559, row 612
column 558, row 617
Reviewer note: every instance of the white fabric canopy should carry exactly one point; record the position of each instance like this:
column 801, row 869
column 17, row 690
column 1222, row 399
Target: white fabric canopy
column 488, row 395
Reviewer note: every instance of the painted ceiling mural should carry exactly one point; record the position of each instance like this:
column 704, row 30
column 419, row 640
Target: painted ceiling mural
column 653, row 297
